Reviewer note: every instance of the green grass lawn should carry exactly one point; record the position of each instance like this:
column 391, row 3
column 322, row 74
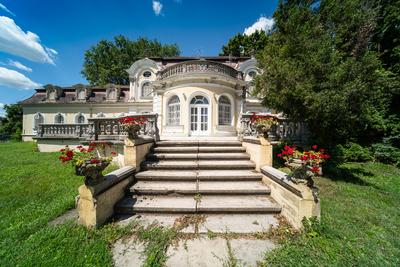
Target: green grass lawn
column 360, row 222
column 34, row 189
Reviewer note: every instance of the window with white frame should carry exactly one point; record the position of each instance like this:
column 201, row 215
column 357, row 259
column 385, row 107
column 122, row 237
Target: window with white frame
column 147, row 90
column 59, row 118
column 111, row 94
column 224, row 111
column 37, row 119
column 80, row 118
column 174, row 111
column 81, row 94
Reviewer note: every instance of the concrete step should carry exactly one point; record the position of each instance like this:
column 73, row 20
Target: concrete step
column 198, row 164
column 164, row 187
column 195, row 149
column 206, row 204
column 199, row 143
column 195, row 156
column 202, row 187
column 232, row 188
column 238, row 204
column 202, row 175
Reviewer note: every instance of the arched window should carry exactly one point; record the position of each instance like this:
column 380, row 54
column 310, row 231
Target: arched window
column 37, row 119
column 224, row 111
column 80, row 118
column 174, row 111
column 147, row 90
column 81, row 94
column 199, row 100
column 59, row 118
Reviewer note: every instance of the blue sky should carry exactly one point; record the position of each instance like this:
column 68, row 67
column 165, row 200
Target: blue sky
column 44, row 41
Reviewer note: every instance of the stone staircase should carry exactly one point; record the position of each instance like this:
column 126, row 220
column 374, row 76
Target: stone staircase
column 198, row 177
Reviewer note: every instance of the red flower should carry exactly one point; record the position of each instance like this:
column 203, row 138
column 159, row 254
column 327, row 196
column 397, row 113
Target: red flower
column 315, row 169
column 90, row 149
column 94, row 161
column 314, row 147
column 79, row 147
column 92, row 144
column 70, row 153
column 313, row 156
column 322, row 150
column 304, row 158
column 279, row 155
column 62, row 150
column 113, row 154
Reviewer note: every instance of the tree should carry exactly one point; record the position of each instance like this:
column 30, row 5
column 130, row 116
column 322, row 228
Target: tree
column 245, row 45
column 107, row 61
column 11, row 125
column 319, row 65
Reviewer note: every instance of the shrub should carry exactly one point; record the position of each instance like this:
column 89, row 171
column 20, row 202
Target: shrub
column 386, row 153
column 353, row 152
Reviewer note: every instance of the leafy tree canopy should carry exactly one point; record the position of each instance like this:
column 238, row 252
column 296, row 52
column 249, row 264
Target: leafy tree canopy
column 11, row 124
column 324, row 64
column 245, row 45
column 107, row 61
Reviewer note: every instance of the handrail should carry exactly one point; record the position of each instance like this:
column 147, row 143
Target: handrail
column 286, row 129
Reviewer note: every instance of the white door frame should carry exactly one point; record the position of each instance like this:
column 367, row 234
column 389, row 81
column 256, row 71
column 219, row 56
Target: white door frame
column 199, row 107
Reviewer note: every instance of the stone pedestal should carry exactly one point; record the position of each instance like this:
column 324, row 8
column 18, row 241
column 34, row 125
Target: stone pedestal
column 135, row 151
column 260, row 151
column 96, row 203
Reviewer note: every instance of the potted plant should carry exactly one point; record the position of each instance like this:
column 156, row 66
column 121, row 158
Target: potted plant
column 86, row 163
column 263, row 123
column 304, row 165
column 132, row 125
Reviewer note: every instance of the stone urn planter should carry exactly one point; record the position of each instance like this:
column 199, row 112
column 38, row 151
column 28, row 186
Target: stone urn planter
column 263, row 129
column 93, row 172
column 133, row 131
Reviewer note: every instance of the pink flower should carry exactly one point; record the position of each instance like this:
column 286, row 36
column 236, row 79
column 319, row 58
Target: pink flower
column 315, row 169
column 314, row 147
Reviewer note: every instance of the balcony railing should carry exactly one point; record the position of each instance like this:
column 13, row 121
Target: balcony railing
column 286, row 129
column 98, row 129
column 199, row 66
column 111, row 128
column 63, row 130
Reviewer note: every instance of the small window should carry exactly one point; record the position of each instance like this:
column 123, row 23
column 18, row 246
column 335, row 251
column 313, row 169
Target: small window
column 147, row 90
column 52, row 95
column 174, row 111
column 80, row 118
column 252, row 74
column 59, row 119
column 224, row 111
column 37, row 119
column 111, row 94
column 81, row 94
column 147, row 74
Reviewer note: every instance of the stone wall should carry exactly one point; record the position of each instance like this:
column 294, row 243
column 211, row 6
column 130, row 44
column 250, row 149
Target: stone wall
column 297, row 200
column 96, row 203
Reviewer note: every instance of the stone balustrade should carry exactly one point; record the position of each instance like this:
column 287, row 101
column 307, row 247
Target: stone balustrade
column 199, row 66
column 111, row 128
column 63, row 130
column 286, row 129
column 98, row 129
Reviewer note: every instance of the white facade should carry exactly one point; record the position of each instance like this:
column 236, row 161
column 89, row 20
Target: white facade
column 192, row 97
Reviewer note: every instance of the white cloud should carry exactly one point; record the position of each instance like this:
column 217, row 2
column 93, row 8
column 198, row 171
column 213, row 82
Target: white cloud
column 263, row 24
column 2, row 113
column 19, row 65
column 157, row 7
column 14, row 79
column 6, row 9
column 15, row 41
